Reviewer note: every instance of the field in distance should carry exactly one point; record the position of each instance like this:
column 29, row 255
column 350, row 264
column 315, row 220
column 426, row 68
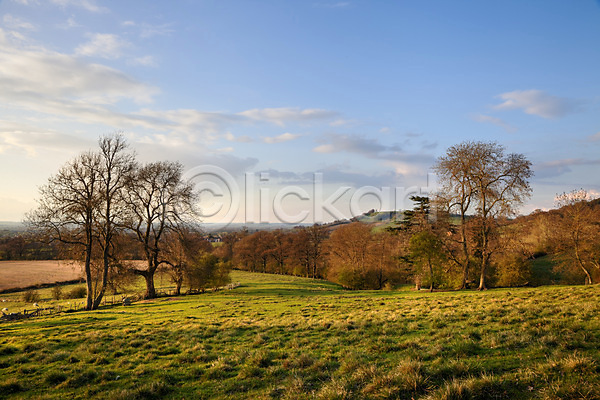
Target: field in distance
column 280, row 337
column 18, row 274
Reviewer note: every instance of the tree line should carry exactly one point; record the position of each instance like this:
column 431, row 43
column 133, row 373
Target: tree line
column 109, row 211
column 466, row 236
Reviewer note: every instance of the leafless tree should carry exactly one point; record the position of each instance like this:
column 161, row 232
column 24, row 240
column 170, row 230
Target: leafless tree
column 480, row 177
column 79, row 206
column 115, row 166
column 157, row 201
column 68, row 207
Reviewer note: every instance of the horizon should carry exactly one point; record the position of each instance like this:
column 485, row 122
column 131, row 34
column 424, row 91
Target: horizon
column 367, row 95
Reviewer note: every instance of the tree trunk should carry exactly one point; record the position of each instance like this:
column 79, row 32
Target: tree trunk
column 465, row 248
column 588, row 276
column 88, row 272
column 484, row 262
column 150, row 290
column 430, row 276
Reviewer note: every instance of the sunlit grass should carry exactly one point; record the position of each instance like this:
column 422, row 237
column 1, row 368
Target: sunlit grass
column 289, row 338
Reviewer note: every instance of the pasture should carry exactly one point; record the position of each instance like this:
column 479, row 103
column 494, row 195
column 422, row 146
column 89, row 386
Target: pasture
column 281, row 337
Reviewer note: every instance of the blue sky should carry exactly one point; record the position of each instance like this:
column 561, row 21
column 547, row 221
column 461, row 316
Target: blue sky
column 364, row 92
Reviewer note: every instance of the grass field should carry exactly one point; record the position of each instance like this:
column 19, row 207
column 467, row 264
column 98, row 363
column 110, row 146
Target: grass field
column 280, row 337
column 16, row 274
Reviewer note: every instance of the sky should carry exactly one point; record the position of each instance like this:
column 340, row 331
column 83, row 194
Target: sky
column 307, row 110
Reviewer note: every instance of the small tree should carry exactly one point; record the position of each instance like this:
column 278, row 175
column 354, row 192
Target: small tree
column 206, row 271
column 578, row 231
column 181, row 248
column 426, row 252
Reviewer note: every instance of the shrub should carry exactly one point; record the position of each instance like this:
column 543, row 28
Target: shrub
column 57, row 292
column 31, row 296
column 76, row 293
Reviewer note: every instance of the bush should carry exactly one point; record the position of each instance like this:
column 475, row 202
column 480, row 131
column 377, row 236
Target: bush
column 513, row 270
column 76, row 293
column 31, row 296
column 57, row 292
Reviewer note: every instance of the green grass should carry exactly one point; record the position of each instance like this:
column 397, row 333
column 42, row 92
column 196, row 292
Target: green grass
column 280, row 337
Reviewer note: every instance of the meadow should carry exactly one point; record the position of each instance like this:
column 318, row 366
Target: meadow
column 282, row 337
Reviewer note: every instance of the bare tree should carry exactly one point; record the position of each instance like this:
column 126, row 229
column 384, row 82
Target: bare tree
column 480, row 177
column 79, row 207
column 456, row 194
column 68, row 208
column 579, row 227
column 115, row 166
column 157, row 201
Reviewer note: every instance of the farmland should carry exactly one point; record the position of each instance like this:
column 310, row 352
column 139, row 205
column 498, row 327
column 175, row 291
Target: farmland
column 286, row 337
column 15, row 274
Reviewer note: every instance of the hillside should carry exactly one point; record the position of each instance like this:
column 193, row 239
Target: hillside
column 285, row 337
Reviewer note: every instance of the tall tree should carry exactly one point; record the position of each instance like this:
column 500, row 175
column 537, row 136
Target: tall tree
column 480, row 177
column 158, row 201
column 114, row 168
column 68, row 208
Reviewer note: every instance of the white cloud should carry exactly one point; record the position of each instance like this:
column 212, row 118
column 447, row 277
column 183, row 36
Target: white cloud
column 13, row 22
column 70, row 23
column 281, row 116
column 193, row 123
column 325, row 148
column 146, row 61
column 27, row 139
column 536, row 102
column 59, row 87
column 89, row 5
column 371, row 148
column 147, row 30
column 493, row 120
column 105, row 45
column 284, row 137
column 26, row 2
column 47, row 80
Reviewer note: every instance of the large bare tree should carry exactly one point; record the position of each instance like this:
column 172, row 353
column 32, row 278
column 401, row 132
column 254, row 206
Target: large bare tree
column 116, row 163
column 157, row 202
column 79, row 207
column 68, row 208
column 481, row 178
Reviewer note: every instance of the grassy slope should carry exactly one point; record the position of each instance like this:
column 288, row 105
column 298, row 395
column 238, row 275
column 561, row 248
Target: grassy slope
column 285, row 337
